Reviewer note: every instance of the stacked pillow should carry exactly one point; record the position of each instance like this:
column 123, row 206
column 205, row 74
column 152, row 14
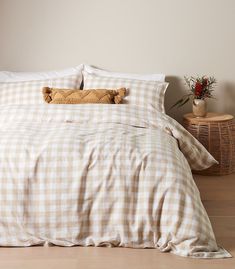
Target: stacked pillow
column 26, row 88
column 7, row 76
column 104, row 73
column 142, row 90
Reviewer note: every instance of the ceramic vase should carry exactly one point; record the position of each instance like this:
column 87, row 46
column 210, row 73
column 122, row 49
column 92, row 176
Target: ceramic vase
column 199, row 108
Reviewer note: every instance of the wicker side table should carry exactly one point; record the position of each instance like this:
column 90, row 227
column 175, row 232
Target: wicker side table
column 216, row 132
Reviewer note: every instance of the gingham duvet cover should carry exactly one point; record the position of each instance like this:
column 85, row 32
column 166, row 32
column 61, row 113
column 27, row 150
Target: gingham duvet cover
column 101, row 175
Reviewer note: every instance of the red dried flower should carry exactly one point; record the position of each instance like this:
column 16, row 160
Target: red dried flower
column 198, row 88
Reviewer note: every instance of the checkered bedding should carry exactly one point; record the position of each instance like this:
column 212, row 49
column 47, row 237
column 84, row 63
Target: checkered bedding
column 28, row 92
column 139, row 92
column 101, row 175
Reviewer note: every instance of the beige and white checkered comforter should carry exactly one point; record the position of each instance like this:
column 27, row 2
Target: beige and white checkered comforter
column 101, row 175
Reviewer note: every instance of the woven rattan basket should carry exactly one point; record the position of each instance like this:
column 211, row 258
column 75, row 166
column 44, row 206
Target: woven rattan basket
column 217, row 133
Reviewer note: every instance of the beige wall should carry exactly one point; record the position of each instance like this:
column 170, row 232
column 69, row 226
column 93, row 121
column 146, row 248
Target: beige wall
column 176, row 37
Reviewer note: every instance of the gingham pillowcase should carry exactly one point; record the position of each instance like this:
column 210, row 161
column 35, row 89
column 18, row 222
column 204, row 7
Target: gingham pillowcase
column 30, row 92
column 139, row 92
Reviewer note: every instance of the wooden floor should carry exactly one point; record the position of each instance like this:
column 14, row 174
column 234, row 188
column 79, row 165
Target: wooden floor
column 218, row 195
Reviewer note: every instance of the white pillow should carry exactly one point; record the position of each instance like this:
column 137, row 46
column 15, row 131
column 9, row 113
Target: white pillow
column 99, row 72
column 140, row 92
column 8, row 76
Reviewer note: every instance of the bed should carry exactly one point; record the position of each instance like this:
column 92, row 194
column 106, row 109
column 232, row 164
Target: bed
column 101, row 175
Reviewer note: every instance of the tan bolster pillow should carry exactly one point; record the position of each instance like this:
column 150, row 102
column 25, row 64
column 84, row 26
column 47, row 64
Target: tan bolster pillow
column 91, row 96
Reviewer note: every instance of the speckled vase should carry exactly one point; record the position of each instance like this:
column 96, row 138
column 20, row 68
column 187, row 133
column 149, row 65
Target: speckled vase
column 199, row 108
